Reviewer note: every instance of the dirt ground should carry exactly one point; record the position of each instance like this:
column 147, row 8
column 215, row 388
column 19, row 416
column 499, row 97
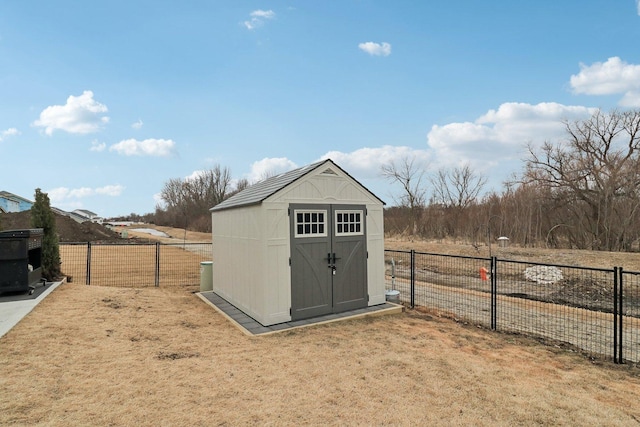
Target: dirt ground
column 176, row 235
column 91, row 355
column 68, row 229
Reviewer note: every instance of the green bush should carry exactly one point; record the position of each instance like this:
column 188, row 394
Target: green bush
column 42, row 217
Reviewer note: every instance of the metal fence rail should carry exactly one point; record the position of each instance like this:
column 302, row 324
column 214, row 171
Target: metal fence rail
column 596, row 310
column 139, row 264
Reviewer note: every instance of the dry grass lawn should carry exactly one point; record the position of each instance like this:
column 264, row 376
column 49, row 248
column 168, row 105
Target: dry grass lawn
column 90, row 355
column 573, row 257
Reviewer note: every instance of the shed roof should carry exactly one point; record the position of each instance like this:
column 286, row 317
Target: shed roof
column 258, row 192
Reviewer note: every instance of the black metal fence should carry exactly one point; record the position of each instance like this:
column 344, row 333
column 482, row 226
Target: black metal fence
column 596, row 310
column 139, row 264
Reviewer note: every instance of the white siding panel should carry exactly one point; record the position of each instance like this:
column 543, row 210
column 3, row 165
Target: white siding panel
column 375, row 246
column 278, row 276
column 324, row 189
column 305, row 191
column 351, row 193
column 238, row 258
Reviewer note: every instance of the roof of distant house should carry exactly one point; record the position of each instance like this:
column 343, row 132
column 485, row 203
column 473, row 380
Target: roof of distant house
column 8, row 195
column 86, row 213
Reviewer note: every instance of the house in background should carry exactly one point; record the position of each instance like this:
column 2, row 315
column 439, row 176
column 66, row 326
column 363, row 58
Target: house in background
column 10, row 202
column 88, row 215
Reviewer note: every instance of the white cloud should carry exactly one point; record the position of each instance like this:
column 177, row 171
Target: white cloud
column 148, row 147
column 97, row 146
column 266, row 14
column 376, row 49
column 8, row 132
column 501, row 134
column 631, row 99
column 194, row 175
column 110, row 190
column 137, row 125
column 80, row 115
column 613, row 76
column 367, row 162
column 257, row 18
column 68, row 198
column 266, row 167
column 638, row 6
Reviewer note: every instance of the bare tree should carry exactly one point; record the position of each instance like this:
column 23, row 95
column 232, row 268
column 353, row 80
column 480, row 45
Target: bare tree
column 458, row 187
column 241, row 184
column 594, row 179
column 409, row 174
column 191, row 198
column 454, row 191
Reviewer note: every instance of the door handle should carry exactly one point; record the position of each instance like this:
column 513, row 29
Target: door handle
column 335, row 258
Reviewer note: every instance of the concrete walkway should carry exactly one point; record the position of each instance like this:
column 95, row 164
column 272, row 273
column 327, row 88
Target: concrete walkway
column 15, row 306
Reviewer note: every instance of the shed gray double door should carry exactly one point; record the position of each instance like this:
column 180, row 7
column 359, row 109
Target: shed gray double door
column 328, row 259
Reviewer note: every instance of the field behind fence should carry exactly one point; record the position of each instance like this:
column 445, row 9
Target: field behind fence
column 134, row 265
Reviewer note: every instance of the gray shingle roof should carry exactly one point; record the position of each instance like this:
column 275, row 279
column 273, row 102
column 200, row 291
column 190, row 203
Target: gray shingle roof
column 258, row 192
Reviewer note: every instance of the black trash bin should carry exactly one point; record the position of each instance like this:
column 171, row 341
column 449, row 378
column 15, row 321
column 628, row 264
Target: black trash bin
column 20, row 260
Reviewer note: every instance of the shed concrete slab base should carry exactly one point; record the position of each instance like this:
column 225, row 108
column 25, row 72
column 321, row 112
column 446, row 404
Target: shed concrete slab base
column 249, row 326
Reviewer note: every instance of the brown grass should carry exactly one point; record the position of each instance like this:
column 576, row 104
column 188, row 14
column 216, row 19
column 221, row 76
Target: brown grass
column 175, row 234
column 91, row 355
column 573, row 257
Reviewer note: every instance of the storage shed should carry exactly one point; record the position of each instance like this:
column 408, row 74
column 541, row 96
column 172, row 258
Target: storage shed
column 302, row 244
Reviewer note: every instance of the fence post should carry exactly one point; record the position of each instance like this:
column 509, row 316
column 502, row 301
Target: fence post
column 620, row 314
column 615, row 314
column 413, row 278
column 494, row 293
column 157, row 264
column 88, row 275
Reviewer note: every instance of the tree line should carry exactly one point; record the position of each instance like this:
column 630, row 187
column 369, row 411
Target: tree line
column 581, row 192
column 186, row 201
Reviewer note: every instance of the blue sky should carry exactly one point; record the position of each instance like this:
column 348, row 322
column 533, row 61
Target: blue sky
column 101, row 103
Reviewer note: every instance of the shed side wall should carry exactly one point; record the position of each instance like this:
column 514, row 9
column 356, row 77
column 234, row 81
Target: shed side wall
column 239, row 258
